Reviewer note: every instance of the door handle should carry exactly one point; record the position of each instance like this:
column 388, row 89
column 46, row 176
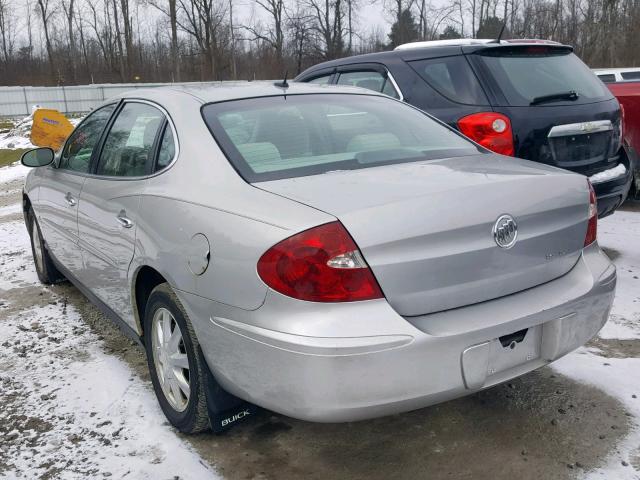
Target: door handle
column 70, row 200
column 124, row 220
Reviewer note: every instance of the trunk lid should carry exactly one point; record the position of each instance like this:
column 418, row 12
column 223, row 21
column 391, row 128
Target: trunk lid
column 425, row 228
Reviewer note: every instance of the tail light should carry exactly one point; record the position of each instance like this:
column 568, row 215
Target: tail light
column 592, row 226
column 489, row 129
column 322, row 264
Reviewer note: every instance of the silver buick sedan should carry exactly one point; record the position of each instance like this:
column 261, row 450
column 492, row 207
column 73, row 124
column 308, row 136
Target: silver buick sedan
column 328, row 253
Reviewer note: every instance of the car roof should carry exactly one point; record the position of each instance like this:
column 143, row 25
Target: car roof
column 419, row 50
column 225, row 91
column 616, row 70
column 474, row 41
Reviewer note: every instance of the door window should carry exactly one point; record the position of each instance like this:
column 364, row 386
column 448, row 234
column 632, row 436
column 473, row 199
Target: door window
column 322, row 80
column 128, row 149
column 631, row 75
column 371, row 80
column 77, row 152
column 167, row 149
column 607, row 77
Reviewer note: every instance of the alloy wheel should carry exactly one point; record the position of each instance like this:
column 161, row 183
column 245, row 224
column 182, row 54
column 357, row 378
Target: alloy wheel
column 170, row 359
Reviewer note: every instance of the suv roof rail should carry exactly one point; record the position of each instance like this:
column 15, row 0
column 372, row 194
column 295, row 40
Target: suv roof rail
column 472, row 41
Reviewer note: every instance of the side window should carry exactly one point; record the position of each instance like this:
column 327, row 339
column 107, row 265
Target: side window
column 453, row 78
column 607, row 77
column 128, row 149
column 370, row 80
column 77, row 151
column 322, row 80
column 167, row 149
column 631, row 75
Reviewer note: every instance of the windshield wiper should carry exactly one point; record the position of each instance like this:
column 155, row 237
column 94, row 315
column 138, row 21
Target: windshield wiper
column 570, row 95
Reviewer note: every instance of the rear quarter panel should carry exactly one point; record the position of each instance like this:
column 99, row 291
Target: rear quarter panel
column 201, row 193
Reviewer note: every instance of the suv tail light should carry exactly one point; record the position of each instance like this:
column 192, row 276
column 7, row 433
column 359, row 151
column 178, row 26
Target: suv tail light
column 322, row 264
column 592, row 226
column 491, row 130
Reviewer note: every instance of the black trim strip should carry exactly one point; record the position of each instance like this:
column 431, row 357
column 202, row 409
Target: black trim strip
column 99, row 304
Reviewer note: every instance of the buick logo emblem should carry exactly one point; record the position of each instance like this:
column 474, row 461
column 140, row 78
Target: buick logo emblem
column 505, row 231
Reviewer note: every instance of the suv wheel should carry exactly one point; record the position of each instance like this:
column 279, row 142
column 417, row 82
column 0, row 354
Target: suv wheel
column 45, row 268
column 177, row 371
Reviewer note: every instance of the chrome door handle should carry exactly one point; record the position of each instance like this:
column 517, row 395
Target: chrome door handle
column 70, row 200
column 124, row 220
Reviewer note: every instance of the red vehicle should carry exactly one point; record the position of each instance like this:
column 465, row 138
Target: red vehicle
column 628, row 94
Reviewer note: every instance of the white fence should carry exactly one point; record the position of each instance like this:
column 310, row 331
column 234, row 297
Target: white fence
column 17, row 101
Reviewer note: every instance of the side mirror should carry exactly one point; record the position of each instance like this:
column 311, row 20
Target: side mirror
column 39, row 157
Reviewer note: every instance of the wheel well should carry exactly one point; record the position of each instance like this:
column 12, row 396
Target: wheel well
column 146, row 280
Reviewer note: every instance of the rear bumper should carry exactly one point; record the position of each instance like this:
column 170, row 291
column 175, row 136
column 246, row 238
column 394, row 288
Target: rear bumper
column 613, row 193
column 361, row 360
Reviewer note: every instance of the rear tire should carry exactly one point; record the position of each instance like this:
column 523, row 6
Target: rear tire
column 45, row 268
column 177, row 371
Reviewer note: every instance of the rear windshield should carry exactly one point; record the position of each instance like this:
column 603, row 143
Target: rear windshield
column 529, row 73
column 298, row 135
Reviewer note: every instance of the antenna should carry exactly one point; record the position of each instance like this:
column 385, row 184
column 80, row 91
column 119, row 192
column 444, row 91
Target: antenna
column 497, row 40
column 283, row 83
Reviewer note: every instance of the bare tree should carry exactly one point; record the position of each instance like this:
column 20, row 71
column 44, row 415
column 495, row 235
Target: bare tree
column 204, row 21
column 68, row 8
column 7, row 30
column 171, row 11
column 300, row 26
column 328, row 23
column 273, row 35
column 46, row 12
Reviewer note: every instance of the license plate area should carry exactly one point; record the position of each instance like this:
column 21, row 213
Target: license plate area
column 514, row 349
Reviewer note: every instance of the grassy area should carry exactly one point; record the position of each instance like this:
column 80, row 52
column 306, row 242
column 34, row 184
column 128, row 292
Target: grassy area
column 9, row 156
column 6, row 124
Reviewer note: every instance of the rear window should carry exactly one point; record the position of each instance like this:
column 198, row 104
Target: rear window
column 525, row 74
column 453, row 78
column 298, row 135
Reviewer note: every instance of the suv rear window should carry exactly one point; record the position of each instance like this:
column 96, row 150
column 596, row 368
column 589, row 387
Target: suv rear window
column 453, row 78
column 297, row 135
column 526, row 73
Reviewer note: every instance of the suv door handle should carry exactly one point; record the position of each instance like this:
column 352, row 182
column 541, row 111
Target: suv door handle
column 70, row 200
column 124, row 220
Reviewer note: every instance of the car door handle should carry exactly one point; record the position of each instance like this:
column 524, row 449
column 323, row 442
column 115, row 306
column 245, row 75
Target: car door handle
column 70, row 200
column 124, row 220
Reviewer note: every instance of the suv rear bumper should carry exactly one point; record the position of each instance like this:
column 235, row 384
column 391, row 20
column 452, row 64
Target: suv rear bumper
column 368, row 361
column 611, row 194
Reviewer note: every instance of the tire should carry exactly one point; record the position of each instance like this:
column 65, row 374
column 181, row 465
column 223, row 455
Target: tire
column 45, row 268
column 186, row 413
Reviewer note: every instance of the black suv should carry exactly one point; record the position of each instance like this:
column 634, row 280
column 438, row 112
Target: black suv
column 531, row 99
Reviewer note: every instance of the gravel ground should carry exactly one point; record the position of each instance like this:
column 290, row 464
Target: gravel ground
column 76, row 401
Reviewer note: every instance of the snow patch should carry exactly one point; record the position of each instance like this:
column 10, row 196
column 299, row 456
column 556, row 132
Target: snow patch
column 19, row 135
column 84, row 405
column 13, row 172
column 610, row 174
column 619, row 378
column 619, row 235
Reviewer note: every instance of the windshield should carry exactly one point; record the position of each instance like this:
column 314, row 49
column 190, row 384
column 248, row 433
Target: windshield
column 297, row 135
column 525, row 74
